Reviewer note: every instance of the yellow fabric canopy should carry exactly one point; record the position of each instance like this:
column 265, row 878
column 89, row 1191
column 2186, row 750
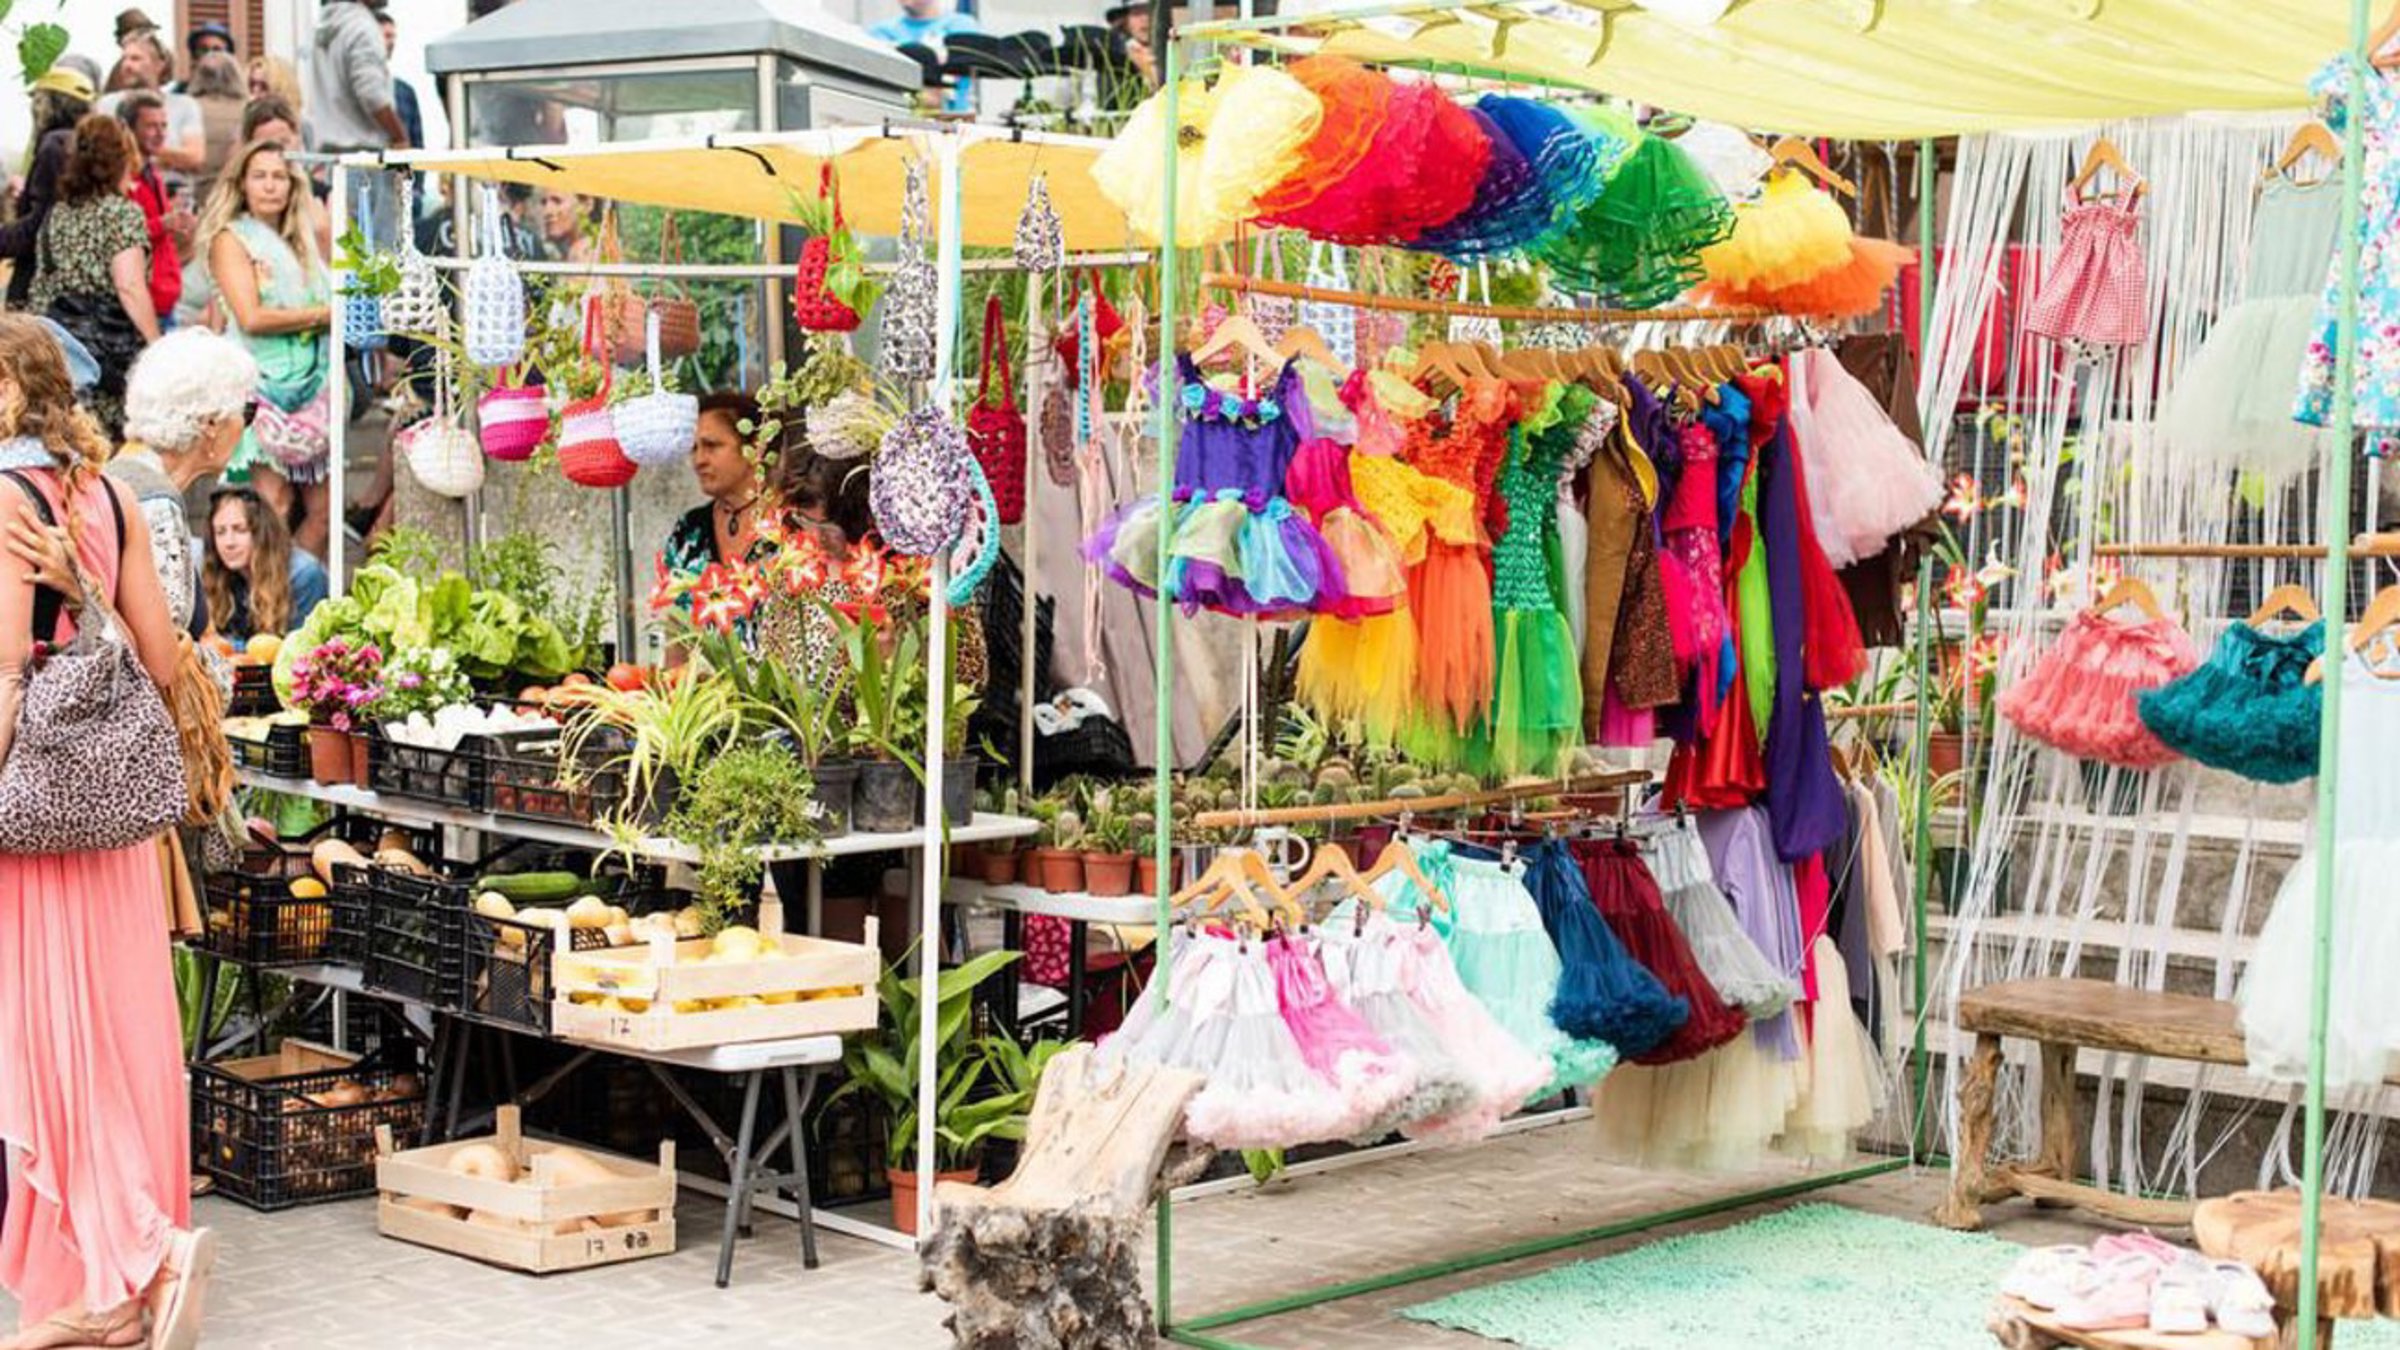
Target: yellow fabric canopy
column 756, row 176
column 1870, row 69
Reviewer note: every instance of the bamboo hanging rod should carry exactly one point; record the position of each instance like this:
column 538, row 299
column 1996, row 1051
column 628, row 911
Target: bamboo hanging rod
column 1240, row 819
column 2365, row 546
column 1409, row 304
column 1862, row 710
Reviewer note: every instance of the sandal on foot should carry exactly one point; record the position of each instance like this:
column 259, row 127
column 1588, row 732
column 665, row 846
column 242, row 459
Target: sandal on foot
column 120, row 1331
column 181, row 1294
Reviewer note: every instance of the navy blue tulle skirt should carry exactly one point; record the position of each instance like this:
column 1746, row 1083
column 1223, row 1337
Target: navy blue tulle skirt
column 1603, row 993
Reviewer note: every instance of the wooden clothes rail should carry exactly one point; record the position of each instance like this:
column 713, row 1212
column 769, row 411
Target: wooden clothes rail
column 1243, row 819
column 1856, row 711
column 2365, row 546
column 1409, row 304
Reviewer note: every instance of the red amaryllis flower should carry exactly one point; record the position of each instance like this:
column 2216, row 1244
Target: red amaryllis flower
column 1963, row 502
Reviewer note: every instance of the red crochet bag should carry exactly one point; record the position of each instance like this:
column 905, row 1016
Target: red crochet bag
column 996, row 431
column 1106, row 324
column 588, row 451
column 814, row 305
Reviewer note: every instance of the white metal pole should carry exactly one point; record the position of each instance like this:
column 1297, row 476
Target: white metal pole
column 337, row 548
column 1028, row 622
column 937, row 698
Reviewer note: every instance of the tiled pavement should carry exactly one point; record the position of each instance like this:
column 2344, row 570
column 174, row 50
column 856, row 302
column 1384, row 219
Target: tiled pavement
column 320, row 1278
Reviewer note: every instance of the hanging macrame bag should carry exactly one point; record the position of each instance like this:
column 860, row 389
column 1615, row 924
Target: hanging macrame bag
column 362, row 317
column 1040, row 240
column 828, row 247
column 589, row 453
column 657, row 427
column 512, row 421
column 493, row 308
column 442, row 454
column 416, row 306
column 922, row 484
column 626, row 313
column 909, row 306
column 1336, row 323
column 996, row 430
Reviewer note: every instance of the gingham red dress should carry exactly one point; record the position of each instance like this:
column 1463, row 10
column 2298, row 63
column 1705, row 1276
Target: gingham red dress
column 2095, row 290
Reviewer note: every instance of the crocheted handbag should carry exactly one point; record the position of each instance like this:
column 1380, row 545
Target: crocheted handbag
column 513, row 420
column 657, row 427
column 441, row 453
column 922, row 484
column 996, row 431
column 627, row 312
column 908, row 311
column 299, row 438
column 494, row 306
column 416, row 305
column 588, row 451
column 978, row 544
column 829, row 255
column 1106, row 323
column 362, row 317
column 1040, row 240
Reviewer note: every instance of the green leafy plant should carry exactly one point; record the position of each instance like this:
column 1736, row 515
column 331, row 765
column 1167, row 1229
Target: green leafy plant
column 887, row 669
column 985, row 1084
column 420, row 680
column 490, row 634
column 365, row 269
column 523, row 565
column 741, row 800
column 772, row 696
column 672, row 726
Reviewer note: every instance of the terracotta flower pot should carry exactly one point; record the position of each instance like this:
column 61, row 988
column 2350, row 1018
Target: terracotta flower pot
column 996, row 867
column 1059, row 870
column 1945, row 752
column 904, row 1194
column 329, row 759
column 359, row 742
column 1108, row 874
column 1145, row 874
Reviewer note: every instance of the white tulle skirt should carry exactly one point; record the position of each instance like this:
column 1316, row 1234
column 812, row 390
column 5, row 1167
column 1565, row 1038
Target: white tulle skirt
column 2230, row 409
column 1867, row 481
column 1842, row 1084
column 2362, row 1035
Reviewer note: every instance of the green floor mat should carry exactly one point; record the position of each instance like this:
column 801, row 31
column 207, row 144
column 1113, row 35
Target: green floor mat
column 1813, row 1277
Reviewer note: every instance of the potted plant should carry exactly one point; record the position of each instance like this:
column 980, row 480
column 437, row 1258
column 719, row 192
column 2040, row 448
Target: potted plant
column 887, row 668
column 786, row 705
column 334, row 683
column 660, row 734
column 1055, row 864
column 1108, row 859
column 742, row 800
column 959, row 768
column 984, row 1089
column 996, row 859
column 1145, row 860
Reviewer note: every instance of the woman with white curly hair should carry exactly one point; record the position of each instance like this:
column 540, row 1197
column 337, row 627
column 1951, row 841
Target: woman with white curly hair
column 187, row 400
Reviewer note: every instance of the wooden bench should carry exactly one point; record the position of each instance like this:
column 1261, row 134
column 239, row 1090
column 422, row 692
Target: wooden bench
column 2063, row 1016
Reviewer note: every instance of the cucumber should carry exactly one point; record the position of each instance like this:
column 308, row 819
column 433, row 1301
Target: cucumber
column 534, row 888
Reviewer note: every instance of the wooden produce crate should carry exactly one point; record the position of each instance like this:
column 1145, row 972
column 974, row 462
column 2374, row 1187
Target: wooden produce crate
column 543, row 1221
column 643, row 985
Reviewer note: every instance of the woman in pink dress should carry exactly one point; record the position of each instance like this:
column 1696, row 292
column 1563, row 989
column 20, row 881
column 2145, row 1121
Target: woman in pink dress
column 96, row 1237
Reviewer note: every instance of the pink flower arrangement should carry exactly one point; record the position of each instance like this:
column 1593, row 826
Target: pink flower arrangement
column 334, row 682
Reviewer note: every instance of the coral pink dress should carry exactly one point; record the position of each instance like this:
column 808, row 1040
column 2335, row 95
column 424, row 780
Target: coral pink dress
column 92, row 1104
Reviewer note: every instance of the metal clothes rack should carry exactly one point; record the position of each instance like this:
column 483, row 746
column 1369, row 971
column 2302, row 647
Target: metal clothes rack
column 1194, row 1331
column 1410, row 304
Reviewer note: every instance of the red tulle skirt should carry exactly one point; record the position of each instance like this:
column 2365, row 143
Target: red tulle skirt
column 1629, row 902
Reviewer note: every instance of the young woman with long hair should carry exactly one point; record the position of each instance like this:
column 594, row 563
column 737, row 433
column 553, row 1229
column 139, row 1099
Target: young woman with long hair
column 96, row 1238
column 252, row 580
column 273, row 287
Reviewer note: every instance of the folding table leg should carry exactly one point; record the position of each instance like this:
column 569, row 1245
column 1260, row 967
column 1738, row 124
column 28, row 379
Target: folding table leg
column 739, row 1199
column 795, row 1105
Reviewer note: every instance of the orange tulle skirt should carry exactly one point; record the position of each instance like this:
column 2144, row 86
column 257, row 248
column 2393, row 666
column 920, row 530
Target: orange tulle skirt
column 1857, row 287
column 1356, row 101
column 1450, row 594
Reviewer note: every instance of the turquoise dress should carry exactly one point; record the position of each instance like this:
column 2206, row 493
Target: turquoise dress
column 292, row 367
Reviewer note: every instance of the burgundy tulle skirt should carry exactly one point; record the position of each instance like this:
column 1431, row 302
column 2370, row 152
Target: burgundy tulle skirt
column 1629, row 901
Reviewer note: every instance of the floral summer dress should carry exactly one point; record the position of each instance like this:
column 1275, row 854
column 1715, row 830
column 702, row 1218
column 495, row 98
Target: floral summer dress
column 2378, row 393
column 78, row 240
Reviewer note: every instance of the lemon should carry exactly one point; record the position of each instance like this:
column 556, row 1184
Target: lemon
column 308, row 888
column 264, row 648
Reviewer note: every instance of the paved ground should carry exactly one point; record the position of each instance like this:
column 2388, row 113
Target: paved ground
column 320, row 1279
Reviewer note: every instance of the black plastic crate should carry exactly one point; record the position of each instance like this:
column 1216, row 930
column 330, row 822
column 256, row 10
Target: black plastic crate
column 505, row 964
column 253, row 692
column 524, row 778
column 284, row 753
column 422, row 773
column 297, row 1127
column 410, row 948
column 255, row 919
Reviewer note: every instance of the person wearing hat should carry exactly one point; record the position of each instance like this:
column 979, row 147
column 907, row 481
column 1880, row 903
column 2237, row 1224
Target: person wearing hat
column 1134, row 22
column 60, row 97
column 926, row 23
column 206, row 38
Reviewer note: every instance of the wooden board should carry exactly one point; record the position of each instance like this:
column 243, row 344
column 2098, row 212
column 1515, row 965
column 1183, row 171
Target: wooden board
column 2107, row 1016
column 525, row 1251
column 662, row 1028
column 2358, row 1248
column 664, row 970
column 2021, row 1326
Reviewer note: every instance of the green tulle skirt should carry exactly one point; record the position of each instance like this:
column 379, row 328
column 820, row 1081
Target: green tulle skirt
column 1639, row 245
column 1537, row 699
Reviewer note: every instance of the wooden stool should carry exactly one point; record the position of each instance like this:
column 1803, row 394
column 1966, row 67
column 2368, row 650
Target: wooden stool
column 2018, row 1325
column 2063, row 1016
column 2358, row 1253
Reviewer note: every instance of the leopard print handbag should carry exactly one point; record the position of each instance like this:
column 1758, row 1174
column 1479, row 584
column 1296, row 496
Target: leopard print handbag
column 96, row 764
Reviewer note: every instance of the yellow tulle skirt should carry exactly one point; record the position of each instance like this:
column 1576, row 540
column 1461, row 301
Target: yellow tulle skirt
column 1792, row 233
column 1362, row 671
column 1238, row 138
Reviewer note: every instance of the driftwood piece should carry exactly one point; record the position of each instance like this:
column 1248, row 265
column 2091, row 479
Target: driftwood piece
column 1052, row 1257
column 2020, row 1326
column 2358, row 1248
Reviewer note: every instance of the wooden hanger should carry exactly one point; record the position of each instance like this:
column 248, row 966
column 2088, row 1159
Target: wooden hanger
column 1332, row 863
column 1399, row 857
column 1796, row 153
column 1440, row 359
column 2382, row 616
column 2285, row 599
column 1235, row 874
column 2105, row 155
column 2131, row 591
column 1238, row 330
column 1302, row 341
column 2312, row 138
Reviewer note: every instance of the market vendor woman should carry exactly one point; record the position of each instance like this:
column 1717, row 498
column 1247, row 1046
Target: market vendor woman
column 725, row 527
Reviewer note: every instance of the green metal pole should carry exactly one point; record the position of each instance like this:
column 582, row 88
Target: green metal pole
column 2335, row 604
column 1162, row 795
column 1921, row 762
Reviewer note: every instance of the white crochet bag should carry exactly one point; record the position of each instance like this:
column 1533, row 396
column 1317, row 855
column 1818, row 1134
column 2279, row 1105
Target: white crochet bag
column 494, row 305
column 441, row 452
column 415, row 306
column 657, row 427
